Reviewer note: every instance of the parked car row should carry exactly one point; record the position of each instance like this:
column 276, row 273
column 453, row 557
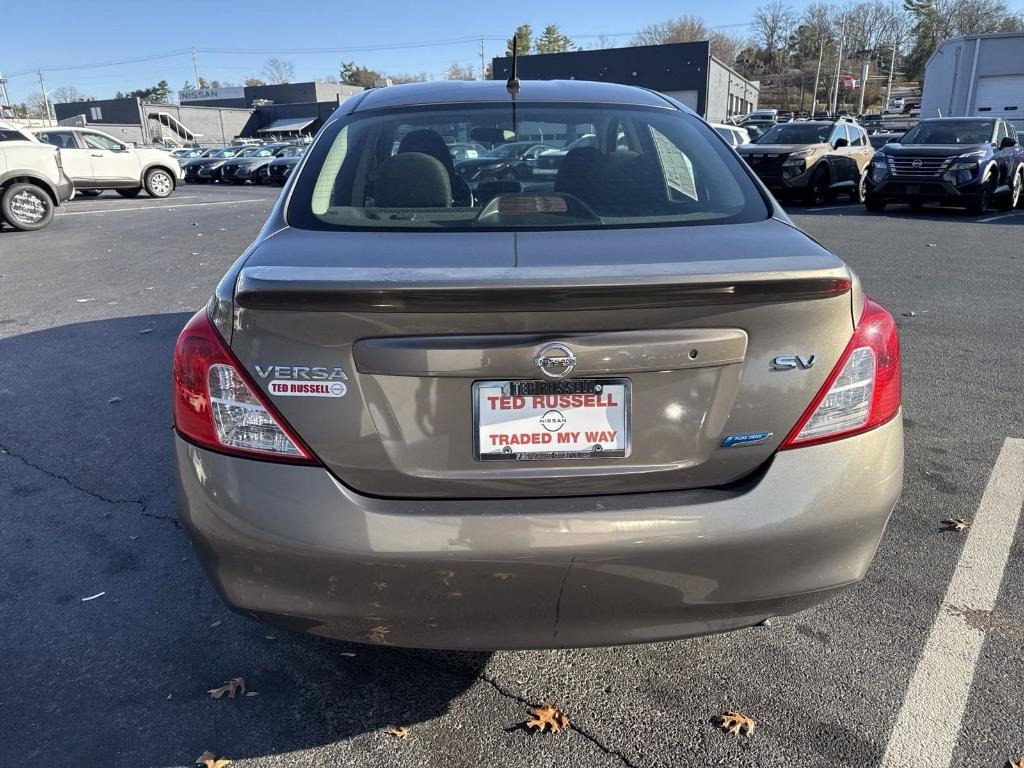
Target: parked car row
column 238, row 164
column 41, row 168
column 974, row 163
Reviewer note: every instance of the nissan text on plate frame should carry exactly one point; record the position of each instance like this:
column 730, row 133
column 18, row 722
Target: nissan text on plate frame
column 625, row 402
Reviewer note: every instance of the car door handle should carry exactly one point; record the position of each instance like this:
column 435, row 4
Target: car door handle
column 97, row 154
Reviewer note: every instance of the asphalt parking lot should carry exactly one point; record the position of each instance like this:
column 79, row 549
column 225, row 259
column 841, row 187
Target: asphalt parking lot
column 89, row 310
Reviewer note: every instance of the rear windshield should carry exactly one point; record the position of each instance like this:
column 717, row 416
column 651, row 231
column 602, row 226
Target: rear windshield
column 950, row 132
column 618, row 166
column 796, row 133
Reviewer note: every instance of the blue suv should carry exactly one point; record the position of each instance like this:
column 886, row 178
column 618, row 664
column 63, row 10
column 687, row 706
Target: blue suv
column 966, row 161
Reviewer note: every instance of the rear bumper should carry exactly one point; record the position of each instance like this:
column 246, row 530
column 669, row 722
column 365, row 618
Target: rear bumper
column 291, row 546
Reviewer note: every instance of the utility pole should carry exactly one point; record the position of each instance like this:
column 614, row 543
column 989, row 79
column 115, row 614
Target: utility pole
column 195, row 65
column 863, row 84
column 839, row 67
column 892, row 68
column 483, row 69
column 817, row 75
column 3, row 91
column 46, row 98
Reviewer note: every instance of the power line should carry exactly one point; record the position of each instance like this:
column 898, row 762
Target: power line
column 97, row 65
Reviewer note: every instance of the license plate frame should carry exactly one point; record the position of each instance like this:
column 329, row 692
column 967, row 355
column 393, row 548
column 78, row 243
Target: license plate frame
column 531, row 387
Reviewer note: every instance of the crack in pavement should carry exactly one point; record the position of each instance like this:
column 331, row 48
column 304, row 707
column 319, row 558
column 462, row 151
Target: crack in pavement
column 140, row 503
column 561, row 591
column 485, row 678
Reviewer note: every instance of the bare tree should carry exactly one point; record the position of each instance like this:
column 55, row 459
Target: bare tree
column 278, row 72
column 35, row 105
column 459, row 72
column 726, row 47
column 685, row 29
column 66, row 94
column 774, row 24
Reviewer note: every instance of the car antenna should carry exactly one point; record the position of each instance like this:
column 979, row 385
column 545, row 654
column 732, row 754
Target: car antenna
column 512, row 84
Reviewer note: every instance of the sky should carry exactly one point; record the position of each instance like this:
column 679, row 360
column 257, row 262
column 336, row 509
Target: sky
column 419, row 36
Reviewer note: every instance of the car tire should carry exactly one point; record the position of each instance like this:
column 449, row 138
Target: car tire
column 133, row 192
column 1020, row 197
column 979, row 205
column 859, row 193
column 1012, row 198
column 88, row 192
column 26, row 207
column 817, row 192
column 159, row 183
column 874, row 204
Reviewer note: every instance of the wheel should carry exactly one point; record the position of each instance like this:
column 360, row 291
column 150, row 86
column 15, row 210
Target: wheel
column 860, row 192
column 1020, row 189
column 817, row 190
column 133, row 192
column 1012, row 198
column 88, row 192
column 980, row 204
column 874, row 204
column 159, row 183
column 26, row 207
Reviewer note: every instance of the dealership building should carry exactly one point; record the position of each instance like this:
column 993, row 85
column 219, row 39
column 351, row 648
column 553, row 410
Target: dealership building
column 685, row 71
column 214, row 116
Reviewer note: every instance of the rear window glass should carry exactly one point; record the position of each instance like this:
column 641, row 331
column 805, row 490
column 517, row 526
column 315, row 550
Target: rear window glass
column 594, row 166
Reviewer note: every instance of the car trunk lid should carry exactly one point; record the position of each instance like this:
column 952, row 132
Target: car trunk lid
column 671, row 330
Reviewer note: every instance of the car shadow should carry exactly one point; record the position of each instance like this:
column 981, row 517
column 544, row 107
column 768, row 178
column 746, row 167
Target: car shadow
column 122, row 678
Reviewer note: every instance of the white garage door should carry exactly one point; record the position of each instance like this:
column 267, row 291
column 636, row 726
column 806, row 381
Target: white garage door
column 1000, row 96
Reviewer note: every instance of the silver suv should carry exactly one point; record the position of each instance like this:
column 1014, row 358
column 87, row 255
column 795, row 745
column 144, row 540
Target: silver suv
column 32, row 182
column 95, row 161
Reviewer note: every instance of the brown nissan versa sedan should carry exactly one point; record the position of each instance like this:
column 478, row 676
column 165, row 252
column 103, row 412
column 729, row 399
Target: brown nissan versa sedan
column 626, row 403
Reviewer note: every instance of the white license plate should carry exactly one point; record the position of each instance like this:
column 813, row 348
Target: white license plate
column 554, row 420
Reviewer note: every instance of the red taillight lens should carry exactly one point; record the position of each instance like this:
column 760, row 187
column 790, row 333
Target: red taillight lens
column 863, row 390
column 217, row 405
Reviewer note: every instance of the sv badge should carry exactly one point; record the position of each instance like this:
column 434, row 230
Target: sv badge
column 792, row 362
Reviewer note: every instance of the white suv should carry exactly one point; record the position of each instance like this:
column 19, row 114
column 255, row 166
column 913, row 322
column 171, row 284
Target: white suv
column 95, row 161
column 32, row 182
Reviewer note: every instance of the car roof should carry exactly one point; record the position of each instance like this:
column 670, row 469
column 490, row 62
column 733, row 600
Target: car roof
column 463, row 91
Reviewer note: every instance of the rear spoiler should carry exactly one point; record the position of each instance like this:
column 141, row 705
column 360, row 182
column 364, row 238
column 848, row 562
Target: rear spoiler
column 318, row 290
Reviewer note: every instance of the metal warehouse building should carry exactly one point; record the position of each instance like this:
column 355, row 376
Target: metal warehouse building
column 685, row 71
column 980, row 75
column 214, row 116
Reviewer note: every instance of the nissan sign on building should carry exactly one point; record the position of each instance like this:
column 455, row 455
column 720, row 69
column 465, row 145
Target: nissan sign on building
column 211, row 94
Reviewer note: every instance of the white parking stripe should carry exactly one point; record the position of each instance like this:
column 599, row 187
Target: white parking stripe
column 825, row 208
column 165, row 207
column 1001, row 216
column 928, row 724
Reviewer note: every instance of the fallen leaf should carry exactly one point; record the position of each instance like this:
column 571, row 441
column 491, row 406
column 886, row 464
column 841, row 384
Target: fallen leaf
column 911, row 313
column 399, row 733
column 1018, row 764
column 231, row 687
column 735, row 723
column 957, row 524
column 931, row 245
column 210, row 760
column 547, row 716
column 379, row 634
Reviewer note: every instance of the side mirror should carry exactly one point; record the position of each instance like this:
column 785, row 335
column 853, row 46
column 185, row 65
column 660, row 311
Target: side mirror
column 840, row 143
column 1007, row 142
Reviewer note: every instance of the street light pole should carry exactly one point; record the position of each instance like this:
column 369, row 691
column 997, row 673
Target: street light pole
column 892, row 68
column 46, row 98
column 195, row 65
column 839, row 66
column 3, row 91
column 817, row 75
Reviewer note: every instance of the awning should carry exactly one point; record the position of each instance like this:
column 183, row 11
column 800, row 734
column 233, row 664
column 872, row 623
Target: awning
column 287, row 125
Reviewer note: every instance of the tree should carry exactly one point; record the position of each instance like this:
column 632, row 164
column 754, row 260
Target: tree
column 67, row 94
column 552, row 41
column 253, row 80
column 459, row 72
column 358, row 75
column 278, row 72
column 690, row 29
column 773, row 25
column 35, row 105
column 524, row 40
column 155, row 94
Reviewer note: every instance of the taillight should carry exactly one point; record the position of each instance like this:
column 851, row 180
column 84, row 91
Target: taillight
column 218, row 406
column 863, row 390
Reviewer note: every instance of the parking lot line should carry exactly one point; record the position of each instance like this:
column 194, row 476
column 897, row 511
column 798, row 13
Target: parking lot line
column 164, row 207
column 1000, row 216
column 928, row 723
column 828, row 208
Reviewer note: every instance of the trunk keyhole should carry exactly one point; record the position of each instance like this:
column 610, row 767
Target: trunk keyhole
column 693, row 354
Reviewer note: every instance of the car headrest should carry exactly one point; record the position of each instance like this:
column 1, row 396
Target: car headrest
column 412, row 180
column 428, row 142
